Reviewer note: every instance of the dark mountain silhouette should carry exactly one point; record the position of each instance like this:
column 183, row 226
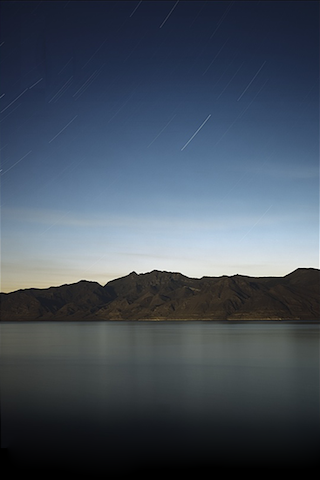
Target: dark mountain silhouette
column 172, row 296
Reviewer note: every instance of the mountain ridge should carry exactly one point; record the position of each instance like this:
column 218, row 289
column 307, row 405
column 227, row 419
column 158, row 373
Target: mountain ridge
column 162, row 295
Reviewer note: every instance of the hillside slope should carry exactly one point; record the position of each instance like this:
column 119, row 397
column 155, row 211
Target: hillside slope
column 169, row 296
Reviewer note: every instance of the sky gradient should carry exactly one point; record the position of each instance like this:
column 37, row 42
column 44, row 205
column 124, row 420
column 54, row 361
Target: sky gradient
column 179, row 136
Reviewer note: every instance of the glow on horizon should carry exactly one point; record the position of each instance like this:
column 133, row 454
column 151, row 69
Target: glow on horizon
column 65, row 248
column 44, row 280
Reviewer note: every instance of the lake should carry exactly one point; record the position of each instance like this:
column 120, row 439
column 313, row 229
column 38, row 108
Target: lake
column 134, row 396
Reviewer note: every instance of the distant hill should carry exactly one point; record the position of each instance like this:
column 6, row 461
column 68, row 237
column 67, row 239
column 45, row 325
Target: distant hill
column 171, row 296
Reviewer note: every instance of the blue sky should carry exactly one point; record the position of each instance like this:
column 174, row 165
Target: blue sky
column 178, row 136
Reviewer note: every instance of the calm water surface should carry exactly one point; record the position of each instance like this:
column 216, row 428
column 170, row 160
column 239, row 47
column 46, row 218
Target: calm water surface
column 139, row 394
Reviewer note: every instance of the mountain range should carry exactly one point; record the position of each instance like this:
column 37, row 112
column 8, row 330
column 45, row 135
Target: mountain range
column 171, row 296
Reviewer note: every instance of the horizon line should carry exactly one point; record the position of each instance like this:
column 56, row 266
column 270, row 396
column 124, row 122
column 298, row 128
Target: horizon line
column 160, row 271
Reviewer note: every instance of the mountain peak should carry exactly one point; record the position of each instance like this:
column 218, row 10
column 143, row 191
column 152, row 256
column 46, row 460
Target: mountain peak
column 172, row 296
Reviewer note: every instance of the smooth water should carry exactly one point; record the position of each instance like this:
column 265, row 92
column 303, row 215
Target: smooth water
column 139, row 394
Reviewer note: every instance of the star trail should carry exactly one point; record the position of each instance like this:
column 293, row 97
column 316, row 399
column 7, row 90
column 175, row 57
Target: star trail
column 171, row 135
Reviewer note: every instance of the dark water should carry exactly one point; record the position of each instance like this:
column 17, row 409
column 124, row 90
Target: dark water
column 152, row 395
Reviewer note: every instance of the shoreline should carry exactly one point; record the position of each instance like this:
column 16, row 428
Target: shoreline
column 163, row 320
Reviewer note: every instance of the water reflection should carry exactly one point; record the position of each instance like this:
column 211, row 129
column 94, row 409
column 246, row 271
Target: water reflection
column 154, row 392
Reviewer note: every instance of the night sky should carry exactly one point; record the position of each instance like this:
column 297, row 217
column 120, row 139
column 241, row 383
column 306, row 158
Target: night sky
column 179, row 136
